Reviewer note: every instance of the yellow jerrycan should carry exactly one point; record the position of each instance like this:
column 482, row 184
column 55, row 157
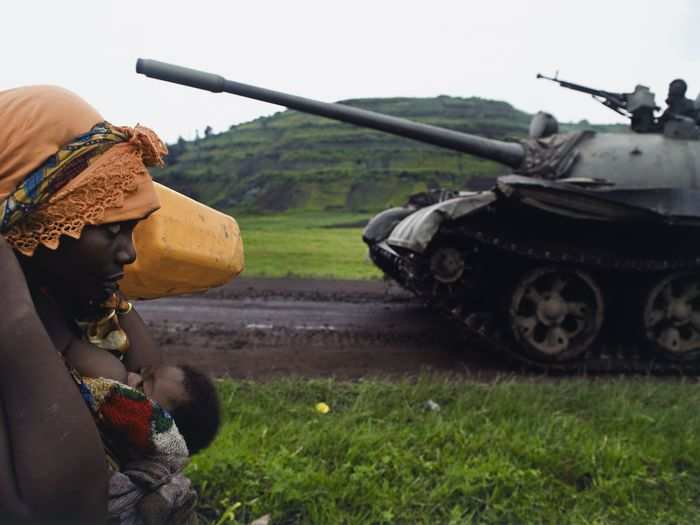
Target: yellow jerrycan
column 183, row 247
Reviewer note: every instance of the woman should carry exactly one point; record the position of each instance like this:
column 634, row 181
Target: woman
column 72, row 188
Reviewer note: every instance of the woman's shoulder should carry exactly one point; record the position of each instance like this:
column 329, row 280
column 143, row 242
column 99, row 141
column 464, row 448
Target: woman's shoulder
column 90, row 361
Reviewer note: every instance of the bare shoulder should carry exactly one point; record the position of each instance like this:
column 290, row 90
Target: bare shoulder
column 91, row 361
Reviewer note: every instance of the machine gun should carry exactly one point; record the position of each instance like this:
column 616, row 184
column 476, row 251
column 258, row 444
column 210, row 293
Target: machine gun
column 638, row 106
column 615, row 101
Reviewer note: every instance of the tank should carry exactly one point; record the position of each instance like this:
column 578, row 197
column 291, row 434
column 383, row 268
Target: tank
column 584, row 257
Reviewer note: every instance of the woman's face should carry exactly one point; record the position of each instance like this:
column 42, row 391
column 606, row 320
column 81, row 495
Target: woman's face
column 88, row 269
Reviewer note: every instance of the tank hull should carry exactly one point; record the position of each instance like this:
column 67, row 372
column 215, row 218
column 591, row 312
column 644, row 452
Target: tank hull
column 493, row 261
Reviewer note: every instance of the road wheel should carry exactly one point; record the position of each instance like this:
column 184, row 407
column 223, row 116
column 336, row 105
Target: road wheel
column 556, row 313
column 672, row 316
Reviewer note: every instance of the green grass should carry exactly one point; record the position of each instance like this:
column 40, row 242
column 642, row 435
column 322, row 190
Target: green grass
column 305, row 245
column 576, row 452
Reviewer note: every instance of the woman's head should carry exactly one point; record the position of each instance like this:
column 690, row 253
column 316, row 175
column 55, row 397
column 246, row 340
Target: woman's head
column 72, row 187
column 85, row 270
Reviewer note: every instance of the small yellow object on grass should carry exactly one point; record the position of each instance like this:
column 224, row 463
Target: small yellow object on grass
column 322, row 408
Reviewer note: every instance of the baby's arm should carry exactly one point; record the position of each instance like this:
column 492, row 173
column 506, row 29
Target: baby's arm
column 90, row 361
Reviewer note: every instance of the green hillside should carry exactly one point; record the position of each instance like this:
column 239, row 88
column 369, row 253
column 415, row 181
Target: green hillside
column 294, row 161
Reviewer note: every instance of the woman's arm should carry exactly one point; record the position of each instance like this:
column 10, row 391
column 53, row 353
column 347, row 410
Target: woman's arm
column 52, row 464
column 143, row 350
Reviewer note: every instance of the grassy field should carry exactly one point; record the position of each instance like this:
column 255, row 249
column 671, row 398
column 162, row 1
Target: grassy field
column 574, row 451
column 617, row 451
column 306, row 245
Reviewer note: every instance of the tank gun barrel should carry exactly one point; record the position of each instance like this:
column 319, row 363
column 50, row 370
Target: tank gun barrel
column 508, row 153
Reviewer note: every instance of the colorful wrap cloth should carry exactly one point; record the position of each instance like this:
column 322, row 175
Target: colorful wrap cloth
column 149, row 487
column 133, row 426
column 63, row 167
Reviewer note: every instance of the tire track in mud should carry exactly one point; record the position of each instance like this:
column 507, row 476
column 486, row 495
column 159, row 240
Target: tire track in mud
column 262, row 328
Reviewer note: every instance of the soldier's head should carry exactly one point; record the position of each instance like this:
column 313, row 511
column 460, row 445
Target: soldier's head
column 677, row 88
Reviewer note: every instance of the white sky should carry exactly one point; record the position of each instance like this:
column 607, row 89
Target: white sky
column 332, row 50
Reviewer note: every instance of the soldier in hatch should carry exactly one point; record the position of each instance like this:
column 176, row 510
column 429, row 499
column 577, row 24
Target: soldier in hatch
column 678, row 103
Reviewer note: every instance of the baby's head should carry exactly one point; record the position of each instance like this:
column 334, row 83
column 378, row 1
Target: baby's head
column 189, row 396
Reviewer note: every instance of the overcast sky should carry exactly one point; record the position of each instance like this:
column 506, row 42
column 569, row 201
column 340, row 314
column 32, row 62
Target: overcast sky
column 333, row 50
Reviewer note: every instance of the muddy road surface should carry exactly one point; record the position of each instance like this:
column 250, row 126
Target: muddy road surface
column 263, row 328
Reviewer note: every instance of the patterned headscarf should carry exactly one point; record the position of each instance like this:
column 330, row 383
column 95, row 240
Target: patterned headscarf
column 63, row 167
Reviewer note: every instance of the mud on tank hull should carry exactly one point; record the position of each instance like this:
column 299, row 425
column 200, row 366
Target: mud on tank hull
column 553, row 275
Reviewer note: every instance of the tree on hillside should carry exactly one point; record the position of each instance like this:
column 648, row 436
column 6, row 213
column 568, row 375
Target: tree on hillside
column 175, row 150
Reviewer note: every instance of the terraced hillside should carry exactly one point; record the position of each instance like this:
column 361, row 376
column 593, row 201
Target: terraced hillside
column 294, row 161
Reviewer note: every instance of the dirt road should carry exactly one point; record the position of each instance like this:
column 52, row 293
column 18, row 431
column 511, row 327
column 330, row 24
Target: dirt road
column 261, row 328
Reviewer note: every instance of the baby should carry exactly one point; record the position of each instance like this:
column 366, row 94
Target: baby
column 166, row 412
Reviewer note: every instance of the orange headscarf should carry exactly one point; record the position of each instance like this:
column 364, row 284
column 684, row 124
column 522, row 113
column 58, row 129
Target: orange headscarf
column 111, row 184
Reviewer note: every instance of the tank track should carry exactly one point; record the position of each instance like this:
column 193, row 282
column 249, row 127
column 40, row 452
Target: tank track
column 601, row 360
column 604, row 358
column 599, row 260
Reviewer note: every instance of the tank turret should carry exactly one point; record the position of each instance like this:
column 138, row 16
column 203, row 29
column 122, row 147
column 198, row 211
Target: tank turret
column 616, row 164
column 585, row 256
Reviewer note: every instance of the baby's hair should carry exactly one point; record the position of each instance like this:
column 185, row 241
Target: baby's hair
column 199, row 417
